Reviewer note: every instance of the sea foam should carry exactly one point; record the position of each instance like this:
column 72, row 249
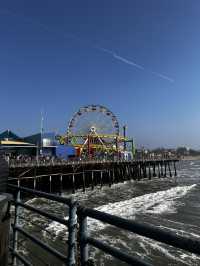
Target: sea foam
column 153, row 203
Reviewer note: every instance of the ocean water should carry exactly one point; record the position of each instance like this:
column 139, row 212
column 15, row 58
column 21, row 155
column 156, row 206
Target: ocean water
column 169, row 203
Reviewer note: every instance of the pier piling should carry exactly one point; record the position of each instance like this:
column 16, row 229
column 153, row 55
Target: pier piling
column 101, row 180
column 73, row 183
column 154, row 169
column 149, row 171
column 161, row 168
column 165, row 174
column 83, row 176
column 175, row 173
column 170, row 173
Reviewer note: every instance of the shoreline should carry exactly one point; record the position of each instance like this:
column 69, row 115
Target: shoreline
column 191, row 158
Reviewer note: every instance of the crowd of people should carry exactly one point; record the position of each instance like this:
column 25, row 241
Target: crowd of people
column 28, row 159
column 23, row 159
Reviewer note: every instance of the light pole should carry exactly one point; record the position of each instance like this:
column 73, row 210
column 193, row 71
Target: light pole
column 124, row 135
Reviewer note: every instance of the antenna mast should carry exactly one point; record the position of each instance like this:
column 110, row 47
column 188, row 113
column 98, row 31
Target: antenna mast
column 41, row 131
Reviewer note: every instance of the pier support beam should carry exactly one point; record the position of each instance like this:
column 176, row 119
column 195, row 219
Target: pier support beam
column 73, row 184
column 83, row 177
column 154, row 170
column 50, row 184
column 170, row 173
column 113, row 175
column 158, row 170
column 149, row 171
column 34, row 183
column 161, row 168
column 165, row 174
column 140, row 171
column 61, row 184
column 175, row 173
column 109, row 178
column 101, row 180
column 92, row 180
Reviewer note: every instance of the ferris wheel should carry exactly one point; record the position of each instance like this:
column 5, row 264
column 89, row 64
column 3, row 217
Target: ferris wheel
column 94, row 131
column 94, row 120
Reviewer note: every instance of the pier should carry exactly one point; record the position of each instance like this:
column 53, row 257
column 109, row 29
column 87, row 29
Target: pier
column 55, row 177
column 42, row 180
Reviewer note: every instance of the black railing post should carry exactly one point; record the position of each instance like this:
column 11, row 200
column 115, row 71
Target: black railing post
column 72, row 233
column 16, row 223
column 83, row 238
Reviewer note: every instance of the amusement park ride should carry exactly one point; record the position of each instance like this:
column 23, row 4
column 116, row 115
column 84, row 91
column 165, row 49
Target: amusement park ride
column 94, row 132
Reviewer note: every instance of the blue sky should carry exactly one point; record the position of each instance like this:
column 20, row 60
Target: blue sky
column 139, row 58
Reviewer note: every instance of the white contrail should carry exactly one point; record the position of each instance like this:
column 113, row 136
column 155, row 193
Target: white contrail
column 118, row 57
column 129, row 62
column 163, row 76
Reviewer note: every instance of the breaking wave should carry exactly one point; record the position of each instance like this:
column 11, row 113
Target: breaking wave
column 152, row 203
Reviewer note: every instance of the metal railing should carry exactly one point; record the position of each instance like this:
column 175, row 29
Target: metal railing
column 70, row 224
column 57, row 174
column 79, row 238
column 141, row 229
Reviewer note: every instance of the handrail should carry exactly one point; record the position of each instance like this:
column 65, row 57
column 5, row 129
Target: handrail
column 43, row 213
column 57, row 174
column 21, row 258
column 116, row 253
column 41, row 194
column 141, row 229
column 41, row 244
column 70, row 223
column 144, row 229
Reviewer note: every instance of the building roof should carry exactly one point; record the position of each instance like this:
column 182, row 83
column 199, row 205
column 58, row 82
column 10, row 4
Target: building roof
column 36, row 139
column 8, row 135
